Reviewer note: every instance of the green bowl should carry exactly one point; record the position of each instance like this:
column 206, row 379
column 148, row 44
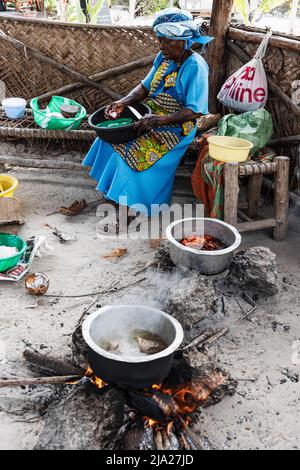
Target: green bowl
column 13, row 241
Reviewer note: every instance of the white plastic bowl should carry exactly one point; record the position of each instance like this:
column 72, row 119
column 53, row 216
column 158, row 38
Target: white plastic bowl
column 14, row 107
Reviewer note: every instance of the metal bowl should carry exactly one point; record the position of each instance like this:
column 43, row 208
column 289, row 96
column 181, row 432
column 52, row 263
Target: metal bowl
column 206, row 262
column 131, row 371
column 122, row 134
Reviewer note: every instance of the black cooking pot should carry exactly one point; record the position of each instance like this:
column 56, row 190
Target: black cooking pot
column 132, row 371
column 119, row 135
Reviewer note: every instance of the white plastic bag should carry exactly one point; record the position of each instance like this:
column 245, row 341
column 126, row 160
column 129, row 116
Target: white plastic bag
column 247, row 89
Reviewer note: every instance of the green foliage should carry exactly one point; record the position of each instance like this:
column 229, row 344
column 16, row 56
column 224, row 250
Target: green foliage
column 149, row 7
column 76, row 15
column 242, row 6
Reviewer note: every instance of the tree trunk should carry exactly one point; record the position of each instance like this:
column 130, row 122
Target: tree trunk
column 219, row 26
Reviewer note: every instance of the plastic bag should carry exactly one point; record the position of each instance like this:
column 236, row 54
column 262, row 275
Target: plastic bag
column 255, row 126
column 51, row 117
column 247, row 89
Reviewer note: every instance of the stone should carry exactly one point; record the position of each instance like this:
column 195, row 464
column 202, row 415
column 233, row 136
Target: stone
column 195, row 301
column 84, row 420
column 255, row 270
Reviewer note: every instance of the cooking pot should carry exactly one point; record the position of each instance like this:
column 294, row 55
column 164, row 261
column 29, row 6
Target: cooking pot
column 206, row 262
column 130, row 371
column 121, row 134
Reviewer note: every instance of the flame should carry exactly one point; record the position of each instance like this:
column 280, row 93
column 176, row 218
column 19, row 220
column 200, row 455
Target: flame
column 170, row 427
column 96, row 380
column 207, row 243
column 188, row 397
column 150, row 423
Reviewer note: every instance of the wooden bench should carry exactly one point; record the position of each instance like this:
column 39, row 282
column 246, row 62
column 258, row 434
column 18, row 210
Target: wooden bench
column 255, row 171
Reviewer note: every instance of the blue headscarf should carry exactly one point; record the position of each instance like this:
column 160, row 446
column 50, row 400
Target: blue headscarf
column 173, row 23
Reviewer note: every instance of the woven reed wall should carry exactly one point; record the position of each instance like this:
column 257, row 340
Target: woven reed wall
column 86, row 49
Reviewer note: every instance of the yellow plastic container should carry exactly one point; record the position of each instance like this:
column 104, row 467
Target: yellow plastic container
column 8, row 185
column 229, row 149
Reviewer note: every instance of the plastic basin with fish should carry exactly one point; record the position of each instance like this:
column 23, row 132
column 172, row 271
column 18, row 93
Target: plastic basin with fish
column 116, row 323
column 118, row 135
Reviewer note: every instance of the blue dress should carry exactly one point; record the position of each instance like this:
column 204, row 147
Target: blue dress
column 116, row 177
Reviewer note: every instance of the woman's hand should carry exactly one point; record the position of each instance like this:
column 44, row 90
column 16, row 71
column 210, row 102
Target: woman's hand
column 147, row 123
column 114, row 110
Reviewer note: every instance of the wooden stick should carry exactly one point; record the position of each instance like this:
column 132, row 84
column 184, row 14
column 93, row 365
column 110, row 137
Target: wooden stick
column 214, row 338
column 256, row 38
column 244, row 58
column 50, row 365
column 46, row 164
column 197, row 441
column 199, row 340
column 256, row 225
column 292, row 139
column 24, row 382
column 253, row 195
column 244, row 217
column 231, row 193
column 109, row 291
column 113, row 72
column 27, row 50
column 281, row 198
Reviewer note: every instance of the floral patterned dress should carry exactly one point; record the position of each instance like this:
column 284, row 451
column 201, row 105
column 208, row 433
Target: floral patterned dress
column 143, row 170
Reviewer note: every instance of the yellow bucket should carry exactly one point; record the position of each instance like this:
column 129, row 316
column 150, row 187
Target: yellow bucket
column 229, row 149
column 8, row 185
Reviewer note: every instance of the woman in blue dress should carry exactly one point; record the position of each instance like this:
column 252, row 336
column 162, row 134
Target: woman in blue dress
column 143, row 171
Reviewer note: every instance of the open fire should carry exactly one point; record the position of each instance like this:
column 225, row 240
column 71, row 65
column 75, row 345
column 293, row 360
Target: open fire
column 206, row 243
column 166, row 410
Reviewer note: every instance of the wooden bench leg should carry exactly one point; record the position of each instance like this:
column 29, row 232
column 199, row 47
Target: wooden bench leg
column 281, row 198
column 253, row 195
column 231, row 193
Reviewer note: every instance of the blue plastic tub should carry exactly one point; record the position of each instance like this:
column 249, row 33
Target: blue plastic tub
column 14, row 107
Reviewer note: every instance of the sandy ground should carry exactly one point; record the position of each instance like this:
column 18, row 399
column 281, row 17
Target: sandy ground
column 263, row 414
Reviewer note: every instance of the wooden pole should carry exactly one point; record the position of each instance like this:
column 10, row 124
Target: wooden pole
column 219, row 26
column 253, row 195
column 281, row 198
column 231, row 196
column 28, row 51
column 46, row 164
column 256, row 38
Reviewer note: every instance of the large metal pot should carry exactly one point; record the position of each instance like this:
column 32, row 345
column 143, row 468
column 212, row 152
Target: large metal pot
column 206, row 262
column 111, row 322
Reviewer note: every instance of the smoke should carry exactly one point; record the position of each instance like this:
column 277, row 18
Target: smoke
column 155, row 294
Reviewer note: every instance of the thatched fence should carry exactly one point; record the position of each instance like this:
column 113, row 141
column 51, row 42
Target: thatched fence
column 101, row 52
